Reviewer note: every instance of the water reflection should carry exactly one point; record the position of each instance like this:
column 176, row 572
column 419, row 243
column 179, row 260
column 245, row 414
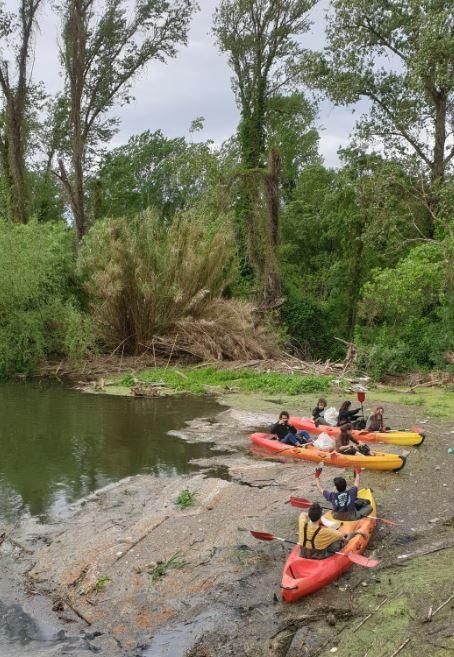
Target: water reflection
column 57, row 445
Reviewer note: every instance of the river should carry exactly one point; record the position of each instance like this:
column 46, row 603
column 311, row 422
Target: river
column 58, row 445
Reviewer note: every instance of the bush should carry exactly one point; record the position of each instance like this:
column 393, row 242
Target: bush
column 38, row 305
column 160, row 284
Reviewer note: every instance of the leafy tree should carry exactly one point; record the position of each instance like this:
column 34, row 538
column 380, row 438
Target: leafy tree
column 105, row 46
column 16, row 33
column 260, row 39
column 152, row 171
column 411, row 92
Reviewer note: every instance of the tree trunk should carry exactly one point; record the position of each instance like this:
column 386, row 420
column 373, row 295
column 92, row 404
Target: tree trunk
column 15, row 121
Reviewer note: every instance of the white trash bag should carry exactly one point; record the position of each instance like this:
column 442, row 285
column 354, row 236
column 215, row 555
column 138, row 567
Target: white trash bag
column 331, row 414
column 324, row 442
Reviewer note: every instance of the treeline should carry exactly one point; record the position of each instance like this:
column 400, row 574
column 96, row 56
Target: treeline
column 178, row 246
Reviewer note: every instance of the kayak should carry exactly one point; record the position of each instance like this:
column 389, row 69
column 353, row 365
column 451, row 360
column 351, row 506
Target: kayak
column 390, row 437
column 376, row 460
column 304, row 576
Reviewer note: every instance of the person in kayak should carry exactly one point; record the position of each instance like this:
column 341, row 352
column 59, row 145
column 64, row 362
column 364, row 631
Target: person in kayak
column 346, row 442
column 375, row 420
column 318, row 414
column 317, row 541
column 346, row 504
column 286, row 433
column 346, row 415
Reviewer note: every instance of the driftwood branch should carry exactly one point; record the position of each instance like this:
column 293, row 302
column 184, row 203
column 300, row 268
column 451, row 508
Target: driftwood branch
column 401, row 647
column 366, row 618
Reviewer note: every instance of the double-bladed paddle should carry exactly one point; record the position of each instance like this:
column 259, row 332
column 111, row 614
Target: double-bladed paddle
column 354, row 558
column 303, row 503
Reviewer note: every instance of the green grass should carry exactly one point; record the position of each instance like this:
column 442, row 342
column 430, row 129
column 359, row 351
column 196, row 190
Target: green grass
column 186, row 498
column 162, row 567
column 101, row 583
column 207, row 379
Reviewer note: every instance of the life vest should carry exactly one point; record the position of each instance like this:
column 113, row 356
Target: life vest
column 312, row 539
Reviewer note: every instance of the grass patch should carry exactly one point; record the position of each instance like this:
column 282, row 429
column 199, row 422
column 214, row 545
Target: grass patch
column 162, row 567
column 186, row 498
column 101, row 583
column 205, row 379
column 411, row 401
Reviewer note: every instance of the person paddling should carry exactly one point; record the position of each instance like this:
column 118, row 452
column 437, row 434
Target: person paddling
column 317, row 541
column 346, row 504
column 346, row 414
column 286, row 433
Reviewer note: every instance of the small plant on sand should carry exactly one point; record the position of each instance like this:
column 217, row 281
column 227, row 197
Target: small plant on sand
column 186, row 498
column 162, row 567
column 101, row 583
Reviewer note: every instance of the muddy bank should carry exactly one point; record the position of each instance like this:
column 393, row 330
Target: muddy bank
column 141, row 576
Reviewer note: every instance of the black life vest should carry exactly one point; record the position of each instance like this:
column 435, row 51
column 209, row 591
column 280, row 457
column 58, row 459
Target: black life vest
column 311, row 540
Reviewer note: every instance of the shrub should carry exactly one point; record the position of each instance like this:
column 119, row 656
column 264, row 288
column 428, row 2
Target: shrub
column 38, row 304
column 159, row 283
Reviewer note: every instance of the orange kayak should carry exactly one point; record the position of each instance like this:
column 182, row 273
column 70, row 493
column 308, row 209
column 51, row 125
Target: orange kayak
column 390, row 437
column 376, row 460
column 304, row 576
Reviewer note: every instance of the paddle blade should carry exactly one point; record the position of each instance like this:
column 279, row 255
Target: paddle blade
column 385, row 520
column 262, row 536
column 361, row 395
column 300, row 502
column 417, row 429
column 361, row 560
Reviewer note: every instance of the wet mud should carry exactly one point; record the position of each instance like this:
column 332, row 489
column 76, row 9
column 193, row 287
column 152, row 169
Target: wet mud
column 131, row 573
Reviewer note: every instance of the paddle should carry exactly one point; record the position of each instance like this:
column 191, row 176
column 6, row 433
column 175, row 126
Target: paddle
column 303, row 503
column 354, row 558
column 361, row 395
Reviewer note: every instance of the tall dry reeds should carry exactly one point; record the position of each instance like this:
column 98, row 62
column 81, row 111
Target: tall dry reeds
column 161, row 285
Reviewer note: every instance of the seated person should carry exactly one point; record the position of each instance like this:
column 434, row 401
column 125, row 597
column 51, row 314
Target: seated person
column 346, row 504
column 317, row 541
column 375, row 420
column 346, row 415
column 346, row 443
column 286, row 432
column 318, row 414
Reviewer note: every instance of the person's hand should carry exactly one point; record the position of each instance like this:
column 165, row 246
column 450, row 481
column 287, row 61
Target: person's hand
column 357, row 470
column 318, row 472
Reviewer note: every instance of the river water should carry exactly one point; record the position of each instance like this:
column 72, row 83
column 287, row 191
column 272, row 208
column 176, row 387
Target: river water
column 58, row 445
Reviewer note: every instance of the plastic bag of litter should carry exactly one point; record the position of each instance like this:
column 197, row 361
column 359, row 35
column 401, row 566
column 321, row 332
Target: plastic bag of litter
column 325, row 442
column 331, row 416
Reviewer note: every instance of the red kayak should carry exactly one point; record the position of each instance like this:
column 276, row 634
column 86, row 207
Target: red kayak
column 304, row 576
column 390, row 437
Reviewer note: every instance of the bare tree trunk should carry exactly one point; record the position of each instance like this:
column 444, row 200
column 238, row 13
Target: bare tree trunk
column 15, row 122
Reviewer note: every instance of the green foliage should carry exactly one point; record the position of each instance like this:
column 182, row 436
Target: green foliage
column 186, row 498
column 203, row 379
column 38, row 302
column 162, row 567
column 152, row 171
column 101, row 583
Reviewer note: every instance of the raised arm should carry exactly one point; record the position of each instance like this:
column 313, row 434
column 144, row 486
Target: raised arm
column 357, row 473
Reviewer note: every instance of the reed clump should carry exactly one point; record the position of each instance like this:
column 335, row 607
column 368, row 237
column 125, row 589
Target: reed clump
column 157, row 285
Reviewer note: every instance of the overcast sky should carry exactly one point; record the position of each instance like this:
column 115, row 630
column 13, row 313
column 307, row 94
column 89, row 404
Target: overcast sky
column 197, row 83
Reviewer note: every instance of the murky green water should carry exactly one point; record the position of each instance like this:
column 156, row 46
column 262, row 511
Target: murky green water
column 57, row 445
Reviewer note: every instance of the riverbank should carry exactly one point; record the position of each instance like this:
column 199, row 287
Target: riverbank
column 144, row 575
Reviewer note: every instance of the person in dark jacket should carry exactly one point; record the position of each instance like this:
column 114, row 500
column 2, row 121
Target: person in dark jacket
column 286, row 433
column 318, row 414
column 346, row 415
column 345, row 502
